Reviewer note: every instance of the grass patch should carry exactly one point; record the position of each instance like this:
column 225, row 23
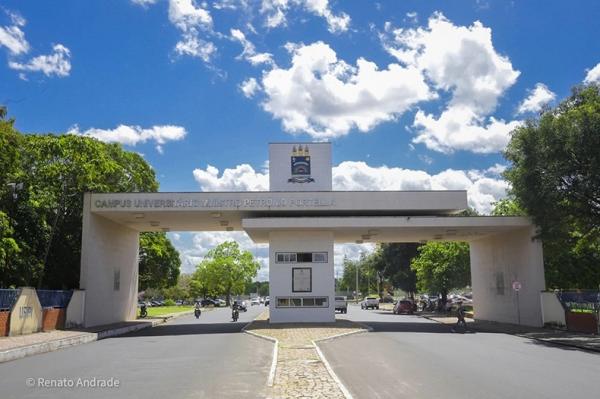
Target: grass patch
column 581, row 311
column 163, row 310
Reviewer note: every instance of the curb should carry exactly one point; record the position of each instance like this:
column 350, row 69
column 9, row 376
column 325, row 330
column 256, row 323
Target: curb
column 332, row 373
column 84, row 338
column 271, row 379
column 523, row 335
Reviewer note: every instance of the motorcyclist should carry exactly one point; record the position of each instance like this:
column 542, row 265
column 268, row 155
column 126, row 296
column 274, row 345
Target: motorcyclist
column 197, row 310
column 235, row 311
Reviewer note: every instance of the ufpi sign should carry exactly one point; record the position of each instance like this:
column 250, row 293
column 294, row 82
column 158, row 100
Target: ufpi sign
column 25, row 312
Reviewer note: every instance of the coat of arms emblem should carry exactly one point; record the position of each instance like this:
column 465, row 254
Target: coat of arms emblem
column 300, row 165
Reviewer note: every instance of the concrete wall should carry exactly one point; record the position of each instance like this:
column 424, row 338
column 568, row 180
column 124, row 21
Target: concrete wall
column 497, row 261
column 76, row 310
column 26, row 313
column 280, row 275
column 109, row 252
column 552, row 310
column 280, row 169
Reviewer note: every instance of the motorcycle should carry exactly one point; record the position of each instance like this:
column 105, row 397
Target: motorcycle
column 143, row 311
column 235, row 314
column 197, row 312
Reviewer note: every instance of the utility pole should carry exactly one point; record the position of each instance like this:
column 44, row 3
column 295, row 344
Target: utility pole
column 356, row 292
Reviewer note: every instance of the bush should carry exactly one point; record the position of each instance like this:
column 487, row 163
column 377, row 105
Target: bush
column 169, row 302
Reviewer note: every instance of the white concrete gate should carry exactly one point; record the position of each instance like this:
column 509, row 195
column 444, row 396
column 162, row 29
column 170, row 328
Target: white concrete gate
column 301, row 218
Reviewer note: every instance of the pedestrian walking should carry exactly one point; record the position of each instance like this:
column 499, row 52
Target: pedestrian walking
column 460, row 315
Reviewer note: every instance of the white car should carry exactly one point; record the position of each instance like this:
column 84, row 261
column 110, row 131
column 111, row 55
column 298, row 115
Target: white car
column 255, row 301
column 370, row 302
column 341, row 304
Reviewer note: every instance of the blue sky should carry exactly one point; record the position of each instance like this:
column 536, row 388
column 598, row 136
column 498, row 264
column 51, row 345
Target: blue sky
column 413, row 94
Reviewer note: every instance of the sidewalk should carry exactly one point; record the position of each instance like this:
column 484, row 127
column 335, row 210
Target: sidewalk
column 587, row 342
column 300, row 370
column 17, row 347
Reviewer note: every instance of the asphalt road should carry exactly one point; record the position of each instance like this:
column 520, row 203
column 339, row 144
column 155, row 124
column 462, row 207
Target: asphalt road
column 412, row 357
column 185, row 358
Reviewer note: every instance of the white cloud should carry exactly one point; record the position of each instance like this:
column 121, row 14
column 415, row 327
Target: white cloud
column 275, row 11
column 593, row 75
column 326, row 97
column 133, row 135
column 459, row 128
column 241, row 178
column 483, row 186
column 191, row 19
column 13, row 38
column 412, row 17
column 249, row 87
column 190, row 44
column 229, row 4
column 249, row 53
column 537, row 99
column 57, row 63
column 462, row 61
column 187, row 16
column 144, row 3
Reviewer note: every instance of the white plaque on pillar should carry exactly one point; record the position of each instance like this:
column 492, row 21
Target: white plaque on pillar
column 301, row 279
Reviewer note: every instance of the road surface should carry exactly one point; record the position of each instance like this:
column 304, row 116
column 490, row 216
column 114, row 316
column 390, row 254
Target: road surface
column 412, row 357
column 185, row 358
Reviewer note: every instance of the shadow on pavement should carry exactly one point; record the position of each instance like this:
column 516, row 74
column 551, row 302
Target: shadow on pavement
column 412, row 326
column 188, row 329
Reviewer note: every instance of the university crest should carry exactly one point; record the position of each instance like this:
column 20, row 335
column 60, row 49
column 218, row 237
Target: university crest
column 300, row 165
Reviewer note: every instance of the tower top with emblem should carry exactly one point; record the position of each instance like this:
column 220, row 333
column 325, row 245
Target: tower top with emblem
column 300, row 167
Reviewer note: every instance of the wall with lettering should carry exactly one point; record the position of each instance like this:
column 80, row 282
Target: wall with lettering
column 300, row 167
column 26, row 314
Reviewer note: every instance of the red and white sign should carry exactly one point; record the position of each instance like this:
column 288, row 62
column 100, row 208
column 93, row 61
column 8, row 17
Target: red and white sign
column 516, row 285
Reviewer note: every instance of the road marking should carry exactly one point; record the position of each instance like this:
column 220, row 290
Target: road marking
column 335, row 378
column 271, row 379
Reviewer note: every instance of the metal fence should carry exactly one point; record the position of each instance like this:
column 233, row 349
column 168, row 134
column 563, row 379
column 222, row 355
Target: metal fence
column 8, row 297
column 580, row 300
column 54, row 298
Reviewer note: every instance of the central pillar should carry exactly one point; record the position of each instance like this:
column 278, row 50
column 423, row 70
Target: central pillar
column 301, row 277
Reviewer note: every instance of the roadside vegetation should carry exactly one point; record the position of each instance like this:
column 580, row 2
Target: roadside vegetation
column 42, row 181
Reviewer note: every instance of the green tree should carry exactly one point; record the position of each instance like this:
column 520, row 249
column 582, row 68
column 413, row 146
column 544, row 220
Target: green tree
column 348, row 281
column 159, row 261
column 554, row 176
column 181, row 290
column 396, row 260
column 508, row 207
column 42, row 207
column 442, row 266
column 226, row 270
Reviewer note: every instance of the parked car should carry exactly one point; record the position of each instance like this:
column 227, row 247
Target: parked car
column 341, row 304
column 404, row 306
column 179, row 302
column 370, row 303
column 220, row 302
column 208, row 302
column 255, row 301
